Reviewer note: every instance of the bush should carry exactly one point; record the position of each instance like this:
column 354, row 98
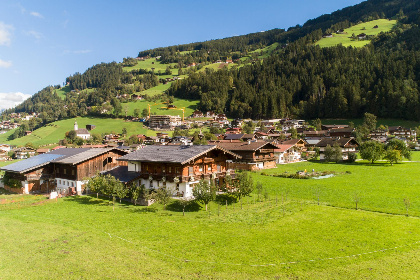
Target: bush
column 352, row 157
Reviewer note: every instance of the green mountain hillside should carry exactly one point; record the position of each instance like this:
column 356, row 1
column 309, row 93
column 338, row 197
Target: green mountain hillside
column 276, row 73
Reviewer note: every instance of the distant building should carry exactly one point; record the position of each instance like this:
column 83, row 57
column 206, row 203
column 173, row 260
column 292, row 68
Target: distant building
column 82, row 133
column 164, row 121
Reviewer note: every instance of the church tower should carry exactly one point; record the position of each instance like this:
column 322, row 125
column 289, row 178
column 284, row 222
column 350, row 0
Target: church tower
column 76, row 127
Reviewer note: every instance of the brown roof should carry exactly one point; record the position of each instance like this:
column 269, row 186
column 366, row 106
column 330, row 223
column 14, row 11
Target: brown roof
column 283, row 147
column 246, row 146
column 341, row 141
column 174, row 154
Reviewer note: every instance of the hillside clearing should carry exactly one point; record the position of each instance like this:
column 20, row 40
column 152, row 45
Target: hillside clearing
column 53, row 132
column 384, row 25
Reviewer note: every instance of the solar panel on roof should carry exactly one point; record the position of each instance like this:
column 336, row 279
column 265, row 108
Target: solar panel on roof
column 30, row 163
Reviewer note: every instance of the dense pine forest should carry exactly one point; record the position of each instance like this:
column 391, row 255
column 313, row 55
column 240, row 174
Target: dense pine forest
column 297, row 79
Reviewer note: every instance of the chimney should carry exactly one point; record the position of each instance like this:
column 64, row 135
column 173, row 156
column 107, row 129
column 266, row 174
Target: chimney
column 249, row 142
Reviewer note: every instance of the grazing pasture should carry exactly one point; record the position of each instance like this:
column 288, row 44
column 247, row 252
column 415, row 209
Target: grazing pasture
column 384, row 25
column 279, row 233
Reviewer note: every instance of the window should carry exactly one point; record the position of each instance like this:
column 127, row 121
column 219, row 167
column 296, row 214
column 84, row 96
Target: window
column 190, row 170
column 59, row 181
column 72, row 184
column 163, row 169
column 68, row 183
column 200, row 168
column 219, row 168
column 64, row 171
column 72, row 172
column 209, row 167
column 176, row 170
column 169, row 169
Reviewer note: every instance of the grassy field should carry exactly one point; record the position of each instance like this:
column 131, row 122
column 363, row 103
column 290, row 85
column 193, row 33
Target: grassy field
column 190, row 106
column 388, row 122
column 62, row 92
column 379, row 186
column 150, row 63
column 289, row 238
column 155, row 90
column 384, row 25
column 55, row 131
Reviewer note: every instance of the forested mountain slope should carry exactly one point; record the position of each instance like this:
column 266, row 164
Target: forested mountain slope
column 296, row 78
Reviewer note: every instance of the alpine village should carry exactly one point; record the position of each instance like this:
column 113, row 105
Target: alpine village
column 284, row 154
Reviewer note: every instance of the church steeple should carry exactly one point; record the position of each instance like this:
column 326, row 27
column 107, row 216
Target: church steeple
column 76, row 127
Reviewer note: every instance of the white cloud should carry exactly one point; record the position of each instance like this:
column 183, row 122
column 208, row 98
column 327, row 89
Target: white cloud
column 5, row 35
column 11, row 99
column 36, row 14
column 37, row 35
column 5, row 64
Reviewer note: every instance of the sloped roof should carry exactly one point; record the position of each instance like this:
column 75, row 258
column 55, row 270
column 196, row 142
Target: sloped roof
column 173, row 154
column 63, row 155
column 347, row 129
column 331, row 141
column 245, row 146
column 121, row 173
column 82, row 131
column 83, row 155
column 31, row 163
column 281, row 148
column 231, row 136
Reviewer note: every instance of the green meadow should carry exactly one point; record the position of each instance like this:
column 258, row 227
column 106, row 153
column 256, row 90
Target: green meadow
column 53, row 132
column 150, row 63
column 280, row 234
column 160, row 109
column 380, row 121
column 384, row 25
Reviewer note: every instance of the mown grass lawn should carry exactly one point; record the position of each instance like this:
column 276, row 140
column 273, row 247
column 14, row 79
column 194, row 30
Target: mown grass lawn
column 82, row 237
column 284, row 234
column 379, row 186
column 384, row 25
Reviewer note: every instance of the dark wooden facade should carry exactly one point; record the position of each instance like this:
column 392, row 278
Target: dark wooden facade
column 90, row 167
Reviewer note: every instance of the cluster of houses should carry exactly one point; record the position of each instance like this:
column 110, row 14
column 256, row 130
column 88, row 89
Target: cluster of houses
column 177, row 164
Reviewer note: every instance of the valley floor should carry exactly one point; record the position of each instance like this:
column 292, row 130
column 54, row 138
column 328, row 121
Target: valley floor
column 283, row 233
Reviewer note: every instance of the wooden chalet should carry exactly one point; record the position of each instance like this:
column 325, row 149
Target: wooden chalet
column 197, row 114
column 290, row 150
column 333, row 126
column 255, row 155
column 402, row 132
column 348, row 145
column 341, row 132
column 63, row 169
column 179, row 168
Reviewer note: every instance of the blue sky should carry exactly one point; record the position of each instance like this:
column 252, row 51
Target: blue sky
column 43, row 42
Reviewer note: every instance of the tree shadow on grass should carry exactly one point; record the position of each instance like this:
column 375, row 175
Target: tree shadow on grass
column 176, row 206
column 144, row 209
column 222, row 198
column 89, row 200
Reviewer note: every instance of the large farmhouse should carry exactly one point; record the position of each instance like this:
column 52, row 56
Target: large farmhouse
column 179, row 168
column 347, row 145
column 62, row 169
column 255, row 155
